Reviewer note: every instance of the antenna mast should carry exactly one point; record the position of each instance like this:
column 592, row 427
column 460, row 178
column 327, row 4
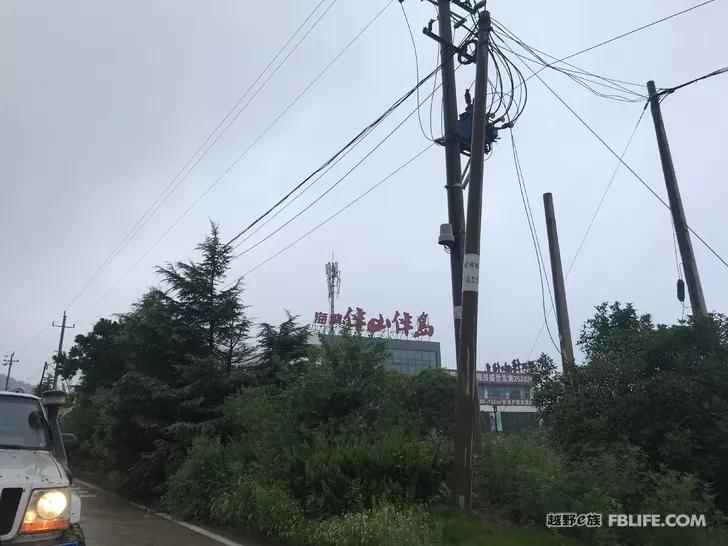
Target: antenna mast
column 333, row 281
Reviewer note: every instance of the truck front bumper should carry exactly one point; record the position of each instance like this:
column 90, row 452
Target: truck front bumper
column 72, row 536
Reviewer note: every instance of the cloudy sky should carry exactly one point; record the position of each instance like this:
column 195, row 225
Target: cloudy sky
column 102, row 104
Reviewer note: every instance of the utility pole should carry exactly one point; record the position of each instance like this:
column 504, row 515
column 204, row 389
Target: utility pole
column 60, row 348
column 9, row 360
column 695, row 288
column 333, row 280
column 42, row 377
column 467, row 386
column 557, row 275
column 455, row 208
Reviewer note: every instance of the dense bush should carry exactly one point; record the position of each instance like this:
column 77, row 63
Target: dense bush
column 204, row 474
column 263, row 508
column 337, row 474
column 661, row 388
column 524, row 477
column 515, row 476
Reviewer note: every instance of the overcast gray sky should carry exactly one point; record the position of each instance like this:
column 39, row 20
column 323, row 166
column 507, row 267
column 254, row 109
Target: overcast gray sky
column 102, row 103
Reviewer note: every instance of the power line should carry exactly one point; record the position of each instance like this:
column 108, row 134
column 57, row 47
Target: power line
column 244, row 153
column 591, row 223
column 604, row 193
column 353, row 142
column 630, row 169
column 635, row 30
column 179, row 177
column 542, row 273
column 361, row 196
column 341, row 179
column 670, row 90
column 623, row 35
column 417, row 69
column 578, row 75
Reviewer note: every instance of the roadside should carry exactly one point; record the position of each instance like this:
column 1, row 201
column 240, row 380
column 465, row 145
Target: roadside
column 108, row 520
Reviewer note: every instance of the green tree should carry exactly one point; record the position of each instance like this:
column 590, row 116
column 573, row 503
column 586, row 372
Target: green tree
column 282, row 352
column 97, row 356
column 214, row 312
column 661, row 388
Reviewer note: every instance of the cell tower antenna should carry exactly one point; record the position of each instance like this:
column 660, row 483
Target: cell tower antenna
column 333, row 281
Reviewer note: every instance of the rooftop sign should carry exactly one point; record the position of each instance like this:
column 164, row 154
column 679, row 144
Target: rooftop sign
column 399, row 324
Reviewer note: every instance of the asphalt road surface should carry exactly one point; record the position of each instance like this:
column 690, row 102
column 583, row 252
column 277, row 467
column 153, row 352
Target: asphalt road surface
column 110, row 521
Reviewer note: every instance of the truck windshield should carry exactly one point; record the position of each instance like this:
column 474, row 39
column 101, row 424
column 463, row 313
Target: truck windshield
column 22, row 424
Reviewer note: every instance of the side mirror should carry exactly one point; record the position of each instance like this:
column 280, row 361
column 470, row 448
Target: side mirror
column 54, row 399
column 69, row 440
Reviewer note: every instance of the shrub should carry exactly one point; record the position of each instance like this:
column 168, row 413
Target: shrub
column 523, row 477
column 675, row 493
column 203, row 475
column 347, row 473
column 515, row 476
column 259, row 507
column 384, row 525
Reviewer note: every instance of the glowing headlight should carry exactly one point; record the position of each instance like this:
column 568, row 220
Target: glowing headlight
column 52, row 504
column 47, row 511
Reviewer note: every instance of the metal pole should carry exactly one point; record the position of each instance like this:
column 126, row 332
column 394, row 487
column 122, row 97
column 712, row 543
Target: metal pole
column 690, row 266
column 557, row 275
column 455, row 208
column 471, row 265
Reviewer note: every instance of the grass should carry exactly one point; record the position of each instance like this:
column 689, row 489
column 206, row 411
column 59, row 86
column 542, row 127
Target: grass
column 463, row 531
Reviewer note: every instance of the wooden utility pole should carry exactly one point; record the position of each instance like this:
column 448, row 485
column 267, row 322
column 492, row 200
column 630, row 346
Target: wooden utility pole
column 467, row 385
column 557, row 275
column 42, row 377
column 9, row 363
column 455, row 208
column 682, row 232
column 59, row 356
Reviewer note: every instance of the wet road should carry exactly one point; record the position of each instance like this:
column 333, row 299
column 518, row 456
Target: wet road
column 109, row 521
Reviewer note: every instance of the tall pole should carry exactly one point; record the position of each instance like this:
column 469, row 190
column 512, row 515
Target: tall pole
column 455, row 208
column 42, row 377
column 682, row 232
column 467, row 386
column 557, row 274
column 60, row 349
column 333, row 281
column 9, row 363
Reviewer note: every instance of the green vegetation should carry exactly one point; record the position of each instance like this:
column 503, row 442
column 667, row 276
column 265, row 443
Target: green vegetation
column 180, row 406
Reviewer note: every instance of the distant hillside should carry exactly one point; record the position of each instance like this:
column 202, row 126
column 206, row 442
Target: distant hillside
column 15, row 384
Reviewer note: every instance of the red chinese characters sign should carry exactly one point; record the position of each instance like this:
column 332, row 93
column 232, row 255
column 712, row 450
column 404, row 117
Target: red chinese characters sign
column 356, row 318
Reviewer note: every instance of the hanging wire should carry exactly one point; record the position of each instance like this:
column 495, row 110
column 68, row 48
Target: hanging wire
column 417, row 72
column 619, row 88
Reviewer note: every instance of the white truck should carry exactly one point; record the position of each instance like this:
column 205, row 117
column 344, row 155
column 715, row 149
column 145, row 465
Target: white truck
column 37, row 505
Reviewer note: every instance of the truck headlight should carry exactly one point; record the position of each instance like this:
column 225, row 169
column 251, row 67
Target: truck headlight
column 48, row 510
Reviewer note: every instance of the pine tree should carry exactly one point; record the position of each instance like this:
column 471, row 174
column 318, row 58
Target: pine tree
column 213, row 311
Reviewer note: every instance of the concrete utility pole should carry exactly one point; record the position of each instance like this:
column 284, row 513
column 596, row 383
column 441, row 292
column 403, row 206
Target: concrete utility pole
column 9, row 363
column 60, row 348
column 333, row 281
column 557, row 275
column 467, row 385
column 455, row 207
column 690, row 266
